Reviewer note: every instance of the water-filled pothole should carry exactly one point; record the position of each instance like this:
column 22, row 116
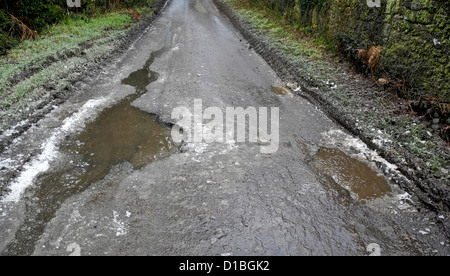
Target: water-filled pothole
column 351, row 173
column 280, row 90
column 120, row 134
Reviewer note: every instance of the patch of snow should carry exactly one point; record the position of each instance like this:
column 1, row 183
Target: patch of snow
column 75, row 217
column 351, row 144
column 6, row 162
column 13, row 130
column 358, row 149
column 404, row 196
column 50, row 150
column 200, row 147
column 119, row 227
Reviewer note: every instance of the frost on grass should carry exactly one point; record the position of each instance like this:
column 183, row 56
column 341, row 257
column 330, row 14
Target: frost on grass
column 30, row 73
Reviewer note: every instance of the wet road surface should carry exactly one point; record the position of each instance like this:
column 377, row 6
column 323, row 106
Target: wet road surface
column 103, row 175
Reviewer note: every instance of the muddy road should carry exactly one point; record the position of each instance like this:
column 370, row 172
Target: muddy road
column 100, row 175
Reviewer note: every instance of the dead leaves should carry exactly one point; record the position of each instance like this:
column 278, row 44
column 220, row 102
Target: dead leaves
column 135, row 15
column 372, row 57
column 25, row 32
column 444, row 107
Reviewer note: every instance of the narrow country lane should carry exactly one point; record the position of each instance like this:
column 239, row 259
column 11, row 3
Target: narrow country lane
column 106, row 178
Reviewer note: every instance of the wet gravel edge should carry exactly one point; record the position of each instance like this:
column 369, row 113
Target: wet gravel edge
column 433, row 195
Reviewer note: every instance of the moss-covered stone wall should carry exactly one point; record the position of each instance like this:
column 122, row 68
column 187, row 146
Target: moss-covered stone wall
column 414, row 36
column 416, row 42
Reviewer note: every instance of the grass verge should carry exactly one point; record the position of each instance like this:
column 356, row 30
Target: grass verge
column 30, row 72
column 294, row 39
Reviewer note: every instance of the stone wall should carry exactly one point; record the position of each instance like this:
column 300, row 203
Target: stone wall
column 414, row 36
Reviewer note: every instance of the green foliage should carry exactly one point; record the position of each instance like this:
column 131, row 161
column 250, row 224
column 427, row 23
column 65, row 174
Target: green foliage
column 288, row 5
column 38, row 15
column 308, row 4
column 5, row 21
column 281, row 36
column 6, row 40
column 6, row 43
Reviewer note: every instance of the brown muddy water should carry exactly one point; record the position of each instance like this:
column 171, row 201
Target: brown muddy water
column 280, row 90
column 120, row 134
column 351, row 174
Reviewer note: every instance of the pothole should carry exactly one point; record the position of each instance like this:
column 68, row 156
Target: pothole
column 352, row 174
column 120, row 134
column 280, row 90
column 124, row 133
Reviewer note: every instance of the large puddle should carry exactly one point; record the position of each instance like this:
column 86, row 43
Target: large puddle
column 120, row 134
column 352, row 174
